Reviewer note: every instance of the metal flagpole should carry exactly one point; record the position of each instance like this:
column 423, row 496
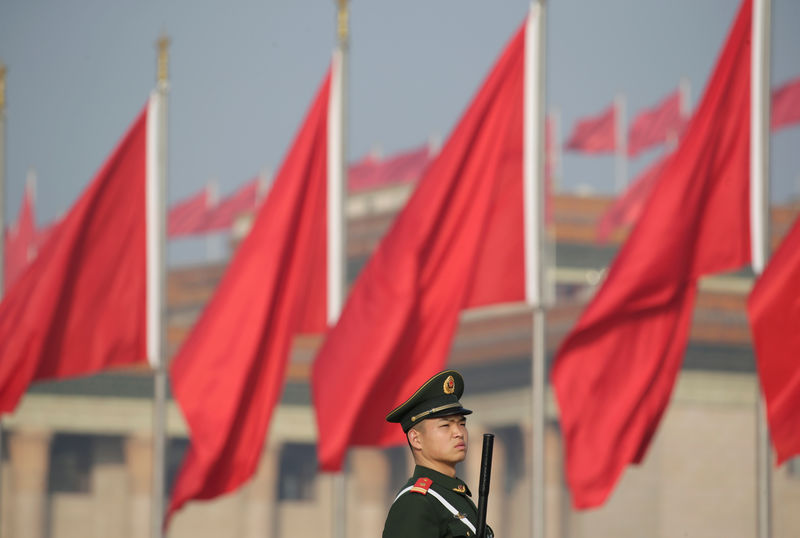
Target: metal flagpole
column 555, row 149
column 760, row 226
column 684, row 93
column 620, row 142
column 2, row 224
column 337, row 174
column 533, row 195
column 211, row 201
column 156, row 292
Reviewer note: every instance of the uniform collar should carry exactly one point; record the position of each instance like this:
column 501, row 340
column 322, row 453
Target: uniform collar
column 448, row 482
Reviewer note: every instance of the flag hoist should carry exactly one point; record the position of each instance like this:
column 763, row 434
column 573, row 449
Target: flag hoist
column 397, row 327
column 228, row 375
column 615, row 371
column 92, row 298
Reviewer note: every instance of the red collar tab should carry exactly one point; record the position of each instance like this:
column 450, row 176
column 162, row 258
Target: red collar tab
column 422, row 486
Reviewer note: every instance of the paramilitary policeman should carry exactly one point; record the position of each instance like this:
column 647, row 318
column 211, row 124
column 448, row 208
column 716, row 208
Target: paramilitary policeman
column 434, row 502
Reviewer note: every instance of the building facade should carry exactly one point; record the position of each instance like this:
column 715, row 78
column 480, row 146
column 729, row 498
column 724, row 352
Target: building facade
column 77, row 461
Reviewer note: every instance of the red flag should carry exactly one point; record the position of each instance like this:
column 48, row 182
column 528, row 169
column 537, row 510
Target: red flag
column 405, row 167
column 786, row 105
column 80, row 307
column 228, row 374
column 626, row 209
column 656, row 125
column 774, row 311
column 20, row 244
column 614, row 372
column 595, row 134
column 188, row 216
column 224, row 214
column 458, row 242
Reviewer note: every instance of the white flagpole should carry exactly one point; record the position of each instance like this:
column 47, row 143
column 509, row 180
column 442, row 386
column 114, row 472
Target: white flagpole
column 212, row 198
column 156, row 281
column 30, row 189
column 759, row 225
column 684, row 94
column 533, row 196
column 556, row 171
column 2, row 224
column 264, row 183
column 337, row 264
column 620, row 142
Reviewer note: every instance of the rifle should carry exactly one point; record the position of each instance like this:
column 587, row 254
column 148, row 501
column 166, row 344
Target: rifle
column 483, row 486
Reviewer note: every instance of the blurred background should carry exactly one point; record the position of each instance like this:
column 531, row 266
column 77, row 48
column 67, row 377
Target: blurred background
column 76, row 453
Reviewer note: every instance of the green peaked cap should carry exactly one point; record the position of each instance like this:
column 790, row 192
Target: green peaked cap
column 437, row 397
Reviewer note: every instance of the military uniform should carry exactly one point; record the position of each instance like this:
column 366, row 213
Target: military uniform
column 432, row 504
column 419, row 511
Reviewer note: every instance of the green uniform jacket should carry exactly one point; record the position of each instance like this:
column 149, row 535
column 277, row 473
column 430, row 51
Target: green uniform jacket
column 417, row 515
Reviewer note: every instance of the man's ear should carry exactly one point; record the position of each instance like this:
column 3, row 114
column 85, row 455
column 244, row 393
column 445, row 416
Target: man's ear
column 414, row 439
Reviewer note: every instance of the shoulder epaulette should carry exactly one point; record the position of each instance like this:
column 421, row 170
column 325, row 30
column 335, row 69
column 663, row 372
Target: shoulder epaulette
column 422, row 486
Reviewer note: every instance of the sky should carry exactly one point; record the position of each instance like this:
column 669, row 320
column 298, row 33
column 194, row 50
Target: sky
column 242, row 75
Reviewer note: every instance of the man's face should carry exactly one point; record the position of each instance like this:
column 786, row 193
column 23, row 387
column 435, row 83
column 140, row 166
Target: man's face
column 444, row 439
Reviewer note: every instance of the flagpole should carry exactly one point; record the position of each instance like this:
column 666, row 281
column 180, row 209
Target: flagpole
column 159, row 355
column 211, row 201
column 2, row 175
column 2, row 227
column 760, row 226
column 337, row 264
column 533, row 195
column 684, row 96
column 620, row 142
column 555, row 149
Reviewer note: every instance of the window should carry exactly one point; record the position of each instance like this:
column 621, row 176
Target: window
column 70, row 464
column 176, row 449
column 298, row 472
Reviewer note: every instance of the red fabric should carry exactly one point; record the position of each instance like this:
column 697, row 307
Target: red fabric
column 188, row 216
column 405, row 167
column 20, row 242
column 786, row 105
column 223, row 215
column 774, row 311
column 228, row 375
column 656, row 125
column 595, row 134
column 627, row 208
column 614, row 372
column 80, row 306
column 457, row 242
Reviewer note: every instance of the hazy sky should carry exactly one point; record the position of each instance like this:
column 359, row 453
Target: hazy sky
column 242, row 75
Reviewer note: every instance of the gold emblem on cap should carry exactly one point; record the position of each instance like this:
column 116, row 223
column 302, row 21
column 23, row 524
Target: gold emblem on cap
column 449, row 385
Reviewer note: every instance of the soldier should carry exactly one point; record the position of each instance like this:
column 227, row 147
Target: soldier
column 434, row 502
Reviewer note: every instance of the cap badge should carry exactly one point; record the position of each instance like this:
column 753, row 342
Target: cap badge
column 449, row 385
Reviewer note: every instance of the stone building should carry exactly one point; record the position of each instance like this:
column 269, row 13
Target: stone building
column 76, row 455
